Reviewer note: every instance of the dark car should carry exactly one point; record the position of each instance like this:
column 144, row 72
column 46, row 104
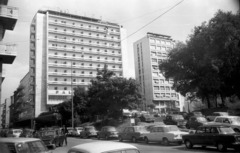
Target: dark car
column 133, row 133
column 51, row 137
column 88, row 131
column 220, row 136
column 196, row 113
column 107, row 132
column 147, row 118
column 174, row 119
column 22, row 145
column 195, row 121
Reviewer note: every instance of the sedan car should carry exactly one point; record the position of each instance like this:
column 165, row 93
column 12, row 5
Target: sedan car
column 220, row 136
column 104, row 147
column 232, row 121
column 174, row 119
column 88, row 131
column 14, row 132
column 22, row 145
column 147, row 118
column 215, row 114
column 133, row 133
column 165, row 134
column 195, row 121
column 107, row 132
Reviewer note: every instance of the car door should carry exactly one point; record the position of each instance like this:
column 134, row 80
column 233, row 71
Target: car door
column 151, row 136
column 198, row 136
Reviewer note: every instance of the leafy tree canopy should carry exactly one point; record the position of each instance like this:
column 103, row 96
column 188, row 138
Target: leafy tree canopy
column 209, row 63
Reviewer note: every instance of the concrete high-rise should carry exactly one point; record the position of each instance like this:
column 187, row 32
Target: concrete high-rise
column 65, row 52
column 156, row 89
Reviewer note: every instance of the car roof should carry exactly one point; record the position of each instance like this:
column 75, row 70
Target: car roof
column 18, row 140
column 227, row 117
column 102, row 146
column 164, row 125
column 215, row 125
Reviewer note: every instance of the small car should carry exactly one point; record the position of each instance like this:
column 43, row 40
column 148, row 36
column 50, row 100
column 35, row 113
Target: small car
column 88, row 131
column 174, row 119
column 14, row 132
column 133, row 133
column 165, row 134
column 79, row 130
column 215, row 114
column 220, row 136
column 195, row 113
column 107, row 132
column 72, row 132
column 22, row 145
column 232, row 121
column 147, row 118
column 104, row 147
column 52, row 137
column 195, row 121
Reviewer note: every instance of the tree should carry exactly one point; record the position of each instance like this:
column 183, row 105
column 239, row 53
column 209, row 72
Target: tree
column 208, row 64
column 109, row 94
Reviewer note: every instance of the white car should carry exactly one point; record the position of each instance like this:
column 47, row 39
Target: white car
column 104, row 147
column 232, row 121
column 165, row 134
column 14, row 132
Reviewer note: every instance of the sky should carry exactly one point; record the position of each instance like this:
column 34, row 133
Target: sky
column 178, row 23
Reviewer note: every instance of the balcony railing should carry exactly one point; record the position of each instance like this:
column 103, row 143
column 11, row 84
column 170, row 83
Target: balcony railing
column 8, row 16
column 8, row 53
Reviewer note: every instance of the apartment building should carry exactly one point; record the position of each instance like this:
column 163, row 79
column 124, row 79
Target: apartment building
column 8, row 19
column 156, row 89
column 66, row 50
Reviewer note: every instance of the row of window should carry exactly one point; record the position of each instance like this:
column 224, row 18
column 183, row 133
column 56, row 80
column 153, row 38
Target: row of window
column 160, row 41
column 160, row 48
column 84, row 33
column 83, row 64
column 90, row 57
column 162, row 81
column 167, row 88
column 166, row 95
column 84, row 25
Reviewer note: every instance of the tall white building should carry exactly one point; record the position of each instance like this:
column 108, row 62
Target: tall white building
column 65, row 52
column 156, row 89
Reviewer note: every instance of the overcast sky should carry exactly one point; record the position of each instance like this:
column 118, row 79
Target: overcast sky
column 131, row 14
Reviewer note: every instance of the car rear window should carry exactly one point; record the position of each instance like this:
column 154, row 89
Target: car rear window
column 10, row 147
column 36, row 147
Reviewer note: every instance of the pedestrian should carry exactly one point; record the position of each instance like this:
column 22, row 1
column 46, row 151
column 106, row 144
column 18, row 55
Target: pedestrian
column 65, row 132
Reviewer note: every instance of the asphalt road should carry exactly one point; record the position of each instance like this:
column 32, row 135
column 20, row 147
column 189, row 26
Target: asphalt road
column 144, row 148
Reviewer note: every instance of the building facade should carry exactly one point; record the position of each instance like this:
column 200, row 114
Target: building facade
column 8, row 19
column 65, row 51
column 6, row 113
column 149, row 52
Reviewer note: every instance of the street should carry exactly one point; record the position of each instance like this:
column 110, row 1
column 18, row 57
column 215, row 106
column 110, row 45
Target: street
column 144, row 148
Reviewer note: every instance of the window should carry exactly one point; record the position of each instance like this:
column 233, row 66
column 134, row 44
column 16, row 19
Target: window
column 65, row 88
column 65, row 71
column 82, row 72
column 55, row 79
column 90, row 73
column 55, row 70
column 156, row 87
column 55, row 88
column 56, row 53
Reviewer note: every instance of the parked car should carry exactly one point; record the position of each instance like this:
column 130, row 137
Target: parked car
column 79, row 130
column 174, row 119
column 104, row 147
column 184, row 114
column 22, row 145
column 28, row 133
column 195, row 121
column 107, row 132
column 14, row 132
column 72, row 132
column 233, row 121
column 133, row 133
column 165, row 134
column 51, row 137
column 88, row 131
column 215, row 114
column 147, row 118
column 220, row 136
column 196, row 113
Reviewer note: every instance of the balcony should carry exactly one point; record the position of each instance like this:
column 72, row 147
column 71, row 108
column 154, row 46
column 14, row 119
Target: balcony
column 7, row 53
column 8, row 16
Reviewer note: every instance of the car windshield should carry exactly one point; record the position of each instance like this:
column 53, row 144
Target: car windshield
column 36, row 147
column 223, row 114
column 235, row 120
column 178, row 117
column 171, row 129
column 140, row 129
column 202, row 119
column 17, row 131
column 226, row 130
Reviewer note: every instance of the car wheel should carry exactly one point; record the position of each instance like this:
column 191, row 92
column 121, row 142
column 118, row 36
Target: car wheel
column 188, row 144
column 134, row 140
column 165, row 141
column 120, row 138
column 98, row 137
column 146, row 140
column 221, row 147
column 180, row 143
